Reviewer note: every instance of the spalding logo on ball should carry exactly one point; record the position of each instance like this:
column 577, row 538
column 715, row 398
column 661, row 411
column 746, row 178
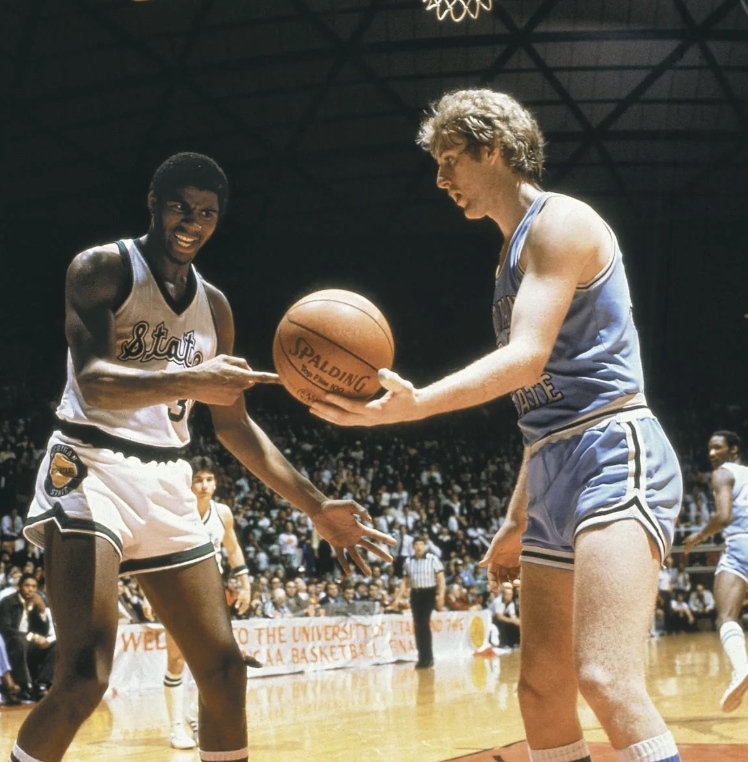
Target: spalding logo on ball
column 332, row 341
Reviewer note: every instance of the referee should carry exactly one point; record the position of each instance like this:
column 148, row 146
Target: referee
column 423, row 574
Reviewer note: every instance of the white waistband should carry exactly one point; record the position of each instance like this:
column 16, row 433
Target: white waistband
column 627, row 408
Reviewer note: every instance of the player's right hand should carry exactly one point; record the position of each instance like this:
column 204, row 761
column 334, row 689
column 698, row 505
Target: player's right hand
column 223, row 379
column 502, row 557
column 400, row 403
column 690, row 542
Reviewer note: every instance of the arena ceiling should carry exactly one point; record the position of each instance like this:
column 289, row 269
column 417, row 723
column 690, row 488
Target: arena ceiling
column 312, row 105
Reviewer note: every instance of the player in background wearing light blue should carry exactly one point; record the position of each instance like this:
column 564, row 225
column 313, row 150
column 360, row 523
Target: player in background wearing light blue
column 730, row 485
column 592, row 516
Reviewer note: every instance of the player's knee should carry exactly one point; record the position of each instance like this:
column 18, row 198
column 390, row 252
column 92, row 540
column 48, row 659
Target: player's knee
column 604, row 690
column 534, row 691
column 78, row 697
column 175, row 664
column 224, row 677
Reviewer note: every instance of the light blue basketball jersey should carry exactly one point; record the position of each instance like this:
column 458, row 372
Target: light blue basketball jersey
column 596, row 358
column 739, row 523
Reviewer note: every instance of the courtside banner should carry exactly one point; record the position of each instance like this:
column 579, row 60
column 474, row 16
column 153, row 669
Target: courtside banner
column 300, row 645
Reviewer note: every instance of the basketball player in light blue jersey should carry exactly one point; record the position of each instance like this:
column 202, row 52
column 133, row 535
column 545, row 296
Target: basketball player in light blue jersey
column 730, row 485
column 591, row 518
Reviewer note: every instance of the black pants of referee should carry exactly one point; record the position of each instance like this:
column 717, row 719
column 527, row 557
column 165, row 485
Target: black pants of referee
column 422, row 603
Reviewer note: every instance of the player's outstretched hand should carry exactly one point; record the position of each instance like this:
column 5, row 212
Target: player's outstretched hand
column 223, row 379
column 502, row 557
column 400, row 403
column 337, row 523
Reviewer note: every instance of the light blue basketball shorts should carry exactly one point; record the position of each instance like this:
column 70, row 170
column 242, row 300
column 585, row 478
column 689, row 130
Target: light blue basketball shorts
column 623, row 467
column 735, row 558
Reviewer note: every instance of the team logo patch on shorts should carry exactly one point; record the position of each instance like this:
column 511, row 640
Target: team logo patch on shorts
column 65, row 473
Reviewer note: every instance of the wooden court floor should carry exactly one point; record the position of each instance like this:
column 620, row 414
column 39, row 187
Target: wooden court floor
column 458, row 710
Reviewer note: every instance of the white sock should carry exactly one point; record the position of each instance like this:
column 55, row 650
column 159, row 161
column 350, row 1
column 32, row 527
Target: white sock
column 574, row 752
column 19, row 755
column 733, row 641
column 174, row 695
column 659, row 749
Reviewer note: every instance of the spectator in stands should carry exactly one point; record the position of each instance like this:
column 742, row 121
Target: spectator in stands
column 25, row 626
column 288, row 543
column 296, row 605
column 681, row 617
column 10, row 691
column 11, row 525
column 456, row 598
column 701, row 603
column 277, row 607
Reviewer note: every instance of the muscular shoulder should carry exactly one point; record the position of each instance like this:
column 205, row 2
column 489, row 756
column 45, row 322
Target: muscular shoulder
column 97, row 274
column 722, row 477
column 570, row 229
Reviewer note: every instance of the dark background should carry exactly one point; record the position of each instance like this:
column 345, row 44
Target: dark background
column 312, row 109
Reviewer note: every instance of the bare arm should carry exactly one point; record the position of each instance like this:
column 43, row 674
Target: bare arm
column 248, row 443
column 235, row 558
column 502, row 557
column 440, row 590
column 96, row 284
column 402, row 591
column 567, row 243
column 722, row 484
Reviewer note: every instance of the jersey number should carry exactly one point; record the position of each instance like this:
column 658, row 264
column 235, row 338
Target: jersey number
column 178, row 414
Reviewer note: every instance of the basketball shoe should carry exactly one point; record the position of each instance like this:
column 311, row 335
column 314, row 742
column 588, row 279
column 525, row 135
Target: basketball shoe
column 179, row 738
column 735, row 691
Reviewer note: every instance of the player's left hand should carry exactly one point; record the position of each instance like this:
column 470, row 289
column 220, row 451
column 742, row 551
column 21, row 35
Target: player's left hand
column 337, row 523
column 242, row 601
column 502, row 557
column 400, row 403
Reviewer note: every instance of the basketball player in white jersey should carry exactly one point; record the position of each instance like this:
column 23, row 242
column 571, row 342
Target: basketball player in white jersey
column 147, row 336
column 592, row 516
column 730, row 485
column 219, row 524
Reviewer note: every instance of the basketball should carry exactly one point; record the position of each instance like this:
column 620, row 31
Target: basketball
column 332, row 341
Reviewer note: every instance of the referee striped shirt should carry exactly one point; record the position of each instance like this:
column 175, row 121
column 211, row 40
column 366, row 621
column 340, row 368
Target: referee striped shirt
column 422, row 571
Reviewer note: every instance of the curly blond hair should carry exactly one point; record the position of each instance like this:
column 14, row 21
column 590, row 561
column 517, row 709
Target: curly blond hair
column 483, row 117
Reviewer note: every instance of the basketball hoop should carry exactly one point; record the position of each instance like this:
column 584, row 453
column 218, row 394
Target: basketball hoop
column 457, row 9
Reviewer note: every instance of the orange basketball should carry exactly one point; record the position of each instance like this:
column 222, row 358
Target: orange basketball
column 332, row 341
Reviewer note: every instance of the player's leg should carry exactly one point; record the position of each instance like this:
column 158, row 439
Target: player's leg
column 547, row 688
column 190, row 602
column 81, row 573
column 729, row 594
column 422, row 603
column 616, row 567
column 179, row 738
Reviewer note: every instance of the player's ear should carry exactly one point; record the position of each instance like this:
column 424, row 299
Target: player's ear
column 492, row 153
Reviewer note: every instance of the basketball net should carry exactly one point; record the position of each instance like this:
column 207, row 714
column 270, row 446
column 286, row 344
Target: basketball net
column 457, row 9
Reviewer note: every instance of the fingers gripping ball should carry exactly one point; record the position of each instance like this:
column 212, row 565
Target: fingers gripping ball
column 332, row 341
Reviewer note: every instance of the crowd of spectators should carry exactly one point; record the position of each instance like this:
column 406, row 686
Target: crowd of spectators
column 448, row 480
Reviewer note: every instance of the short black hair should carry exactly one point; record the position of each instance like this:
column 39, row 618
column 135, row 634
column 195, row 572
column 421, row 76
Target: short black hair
column 202, row 463
column 191, row 169
column 26, row 576
column 731, row 438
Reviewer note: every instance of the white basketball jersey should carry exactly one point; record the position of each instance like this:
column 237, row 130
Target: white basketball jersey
column 216, row 531
column 152, row 333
